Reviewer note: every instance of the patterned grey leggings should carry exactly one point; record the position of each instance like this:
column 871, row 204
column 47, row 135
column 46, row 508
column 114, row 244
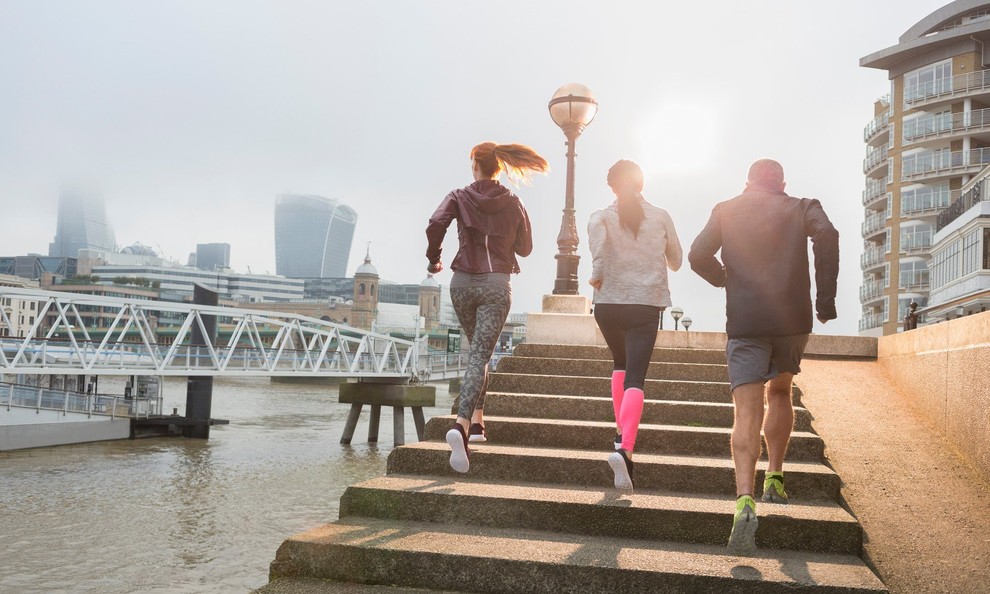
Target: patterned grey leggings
column 481, row 312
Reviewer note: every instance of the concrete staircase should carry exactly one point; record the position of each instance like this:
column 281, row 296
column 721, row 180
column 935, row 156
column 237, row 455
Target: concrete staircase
column 538, row 513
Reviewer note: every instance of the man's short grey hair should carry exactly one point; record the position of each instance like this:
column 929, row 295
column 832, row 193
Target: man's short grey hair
column 766, row 172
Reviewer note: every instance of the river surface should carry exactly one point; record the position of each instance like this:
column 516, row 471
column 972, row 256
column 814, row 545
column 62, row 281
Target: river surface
column 182, row 515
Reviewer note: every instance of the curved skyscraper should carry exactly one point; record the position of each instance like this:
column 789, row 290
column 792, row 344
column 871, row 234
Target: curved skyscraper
column 82, row 225
column 312, row 236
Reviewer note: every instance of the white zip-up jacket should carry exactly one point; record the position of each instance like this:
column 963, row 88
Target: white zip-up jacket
column 633, row 268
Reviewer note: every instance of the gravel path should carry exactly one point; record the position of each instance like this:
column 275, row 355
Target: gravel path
column 925, row 511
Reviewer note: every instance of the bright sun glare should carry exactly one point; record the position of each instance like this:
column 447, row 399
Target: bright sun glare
column 678, row 139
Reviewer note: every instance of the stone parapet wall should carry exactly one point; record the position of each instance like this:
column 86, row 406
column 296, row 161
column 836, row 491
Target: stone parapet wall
column 943, row 370
column 581, row 329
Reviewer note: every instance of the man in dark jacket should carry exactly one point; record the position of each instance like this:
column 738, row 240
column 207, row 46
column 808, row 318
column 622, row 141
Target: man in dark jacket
column 763, row 234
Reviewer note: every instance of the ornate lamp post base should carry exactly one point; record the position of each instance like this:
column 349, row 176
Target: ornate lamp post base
column 567, row 279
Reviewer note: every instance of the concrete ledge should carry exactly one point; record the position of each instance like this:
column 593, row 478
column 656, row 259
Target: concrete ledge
column 387, row 394
column 581, row 329
column 845, row 347
column 566, row 304
column 38, row 435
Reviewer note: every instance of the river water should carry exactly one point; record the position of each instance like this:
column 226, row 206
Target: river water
column 181, row 515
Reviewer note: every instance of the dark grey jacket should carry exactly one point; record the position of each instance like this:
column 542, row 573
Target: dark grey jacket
column 763, row 236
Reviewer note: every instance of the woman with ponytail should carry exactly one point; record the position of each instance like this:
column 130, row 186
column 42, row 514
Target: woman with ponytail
column 633, row 243
column 492, row 229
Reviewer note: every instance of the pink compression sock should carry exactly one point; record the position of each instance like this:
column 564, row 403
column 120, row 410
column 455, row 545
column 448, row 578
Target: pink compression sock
column 618, row 378
column 632, row 410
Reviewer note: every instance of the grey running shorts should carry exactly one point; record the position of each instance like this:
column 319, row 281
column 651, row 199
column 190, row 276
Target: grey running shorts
column 759, row 360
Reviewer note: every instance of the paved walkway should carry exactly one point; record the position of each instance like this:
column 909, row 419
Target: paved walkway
column 925, row 512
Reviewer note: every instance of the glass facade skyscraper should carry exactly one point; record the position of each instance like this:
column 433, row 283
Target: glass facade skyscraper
column 312, row 236
column 82, row 225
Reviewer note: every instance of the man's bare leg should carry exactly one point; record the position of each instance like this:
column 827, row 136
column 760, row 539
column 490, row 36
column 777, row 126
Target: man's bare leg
column 779, row 420
column 746, row 443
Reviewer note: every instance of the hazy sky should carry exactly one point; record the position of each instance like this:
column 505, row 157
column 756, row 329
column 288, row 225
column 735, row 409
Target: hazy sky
column 192, row 116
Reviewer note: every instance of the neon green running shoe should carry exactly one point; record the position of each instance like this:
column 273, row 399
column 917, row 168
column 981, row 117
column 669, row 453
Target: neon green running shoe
column 773, row 488
column 742, row 541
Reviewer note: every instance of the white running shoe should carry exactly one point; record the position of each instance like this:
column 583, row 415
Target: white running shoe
column 457, row 441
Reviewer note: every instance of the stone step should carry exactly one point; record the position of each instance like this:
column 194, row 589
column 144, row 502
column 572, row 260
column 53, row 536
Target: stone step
column 315, row 586
column 704, row 372
column 566, row 351
column 601, row 386
column 822, row 527
column 651, row 439
column 591, row 408
column 481, row 559
column 806, row 481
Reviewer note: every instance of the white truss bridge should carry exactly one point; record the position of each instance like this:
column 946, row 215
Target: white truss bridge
column 64, row 340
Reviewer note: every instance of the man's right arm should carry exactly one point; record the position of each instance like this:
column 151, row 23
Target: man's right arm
column 825, row 241
column 702, row 254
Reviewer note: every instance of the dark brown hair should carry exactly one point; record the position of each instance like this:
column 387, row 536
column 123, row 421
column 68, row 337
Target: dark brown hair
column 626, row 180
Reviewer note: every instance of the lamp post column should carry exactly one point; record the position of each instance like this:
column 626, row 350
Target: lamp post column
column 567, row 240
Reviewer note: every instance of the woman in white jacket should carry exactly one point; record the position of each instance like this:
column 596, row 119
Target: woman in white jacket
column 633, row 243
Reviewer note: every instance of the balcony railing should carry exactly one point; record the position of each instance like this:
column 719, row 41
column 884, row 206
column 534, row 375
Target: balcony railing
column 935, row 125
column 914, row 279
column 874, row 190
column 874, row 222
column 874, row 158
column 916, row 241
column 871, row 290
column 976, row 194
column 927, row 202
column 932, row 163
column 872, row 257
column 876, row 126
column 870, row 321
column 962, row 84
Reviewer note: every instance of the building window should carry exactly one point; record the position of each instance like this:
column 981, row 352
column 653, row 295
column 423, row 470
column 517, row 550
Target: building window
column 361, row 289
column 930, row 81
column 986, row 249
column 971, row 252
column 914, row 275
column 924, row 199
column 916, row 237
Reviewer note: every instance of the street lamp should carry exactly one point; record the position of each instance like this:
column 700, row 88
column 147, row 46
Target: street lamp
column 686, row 322
column 676, row 313
column 572, row 108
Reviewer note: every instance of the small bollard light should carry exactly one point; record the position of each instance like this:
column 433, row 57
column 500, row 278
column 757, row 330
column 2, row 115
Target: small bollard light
column 686, row 322
column 676, row 313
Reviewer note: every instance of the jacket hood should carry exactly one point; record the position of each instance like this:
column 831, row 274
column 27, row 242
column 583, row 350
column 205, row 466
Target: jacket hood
column 487, row 196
